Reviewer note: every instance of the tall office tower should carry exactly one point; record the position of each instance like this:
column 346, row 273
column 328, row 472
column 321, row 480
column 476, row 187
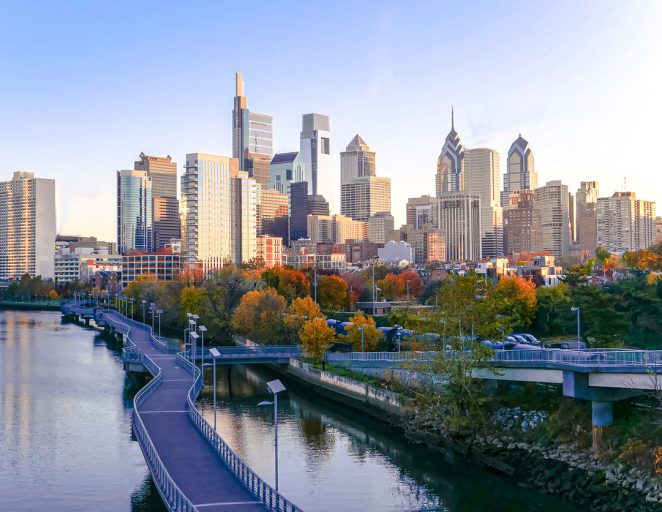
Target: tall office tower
column 272, row 213
column 135, row 217
column 552, row 201
column 336, row 229
column 625, row 223
column 658, row 230
column 165, row 205
column 521, row 224
column 572, row 209
column 315, row 148
column 521, row 173
column 218, row 212
column 427, row 242
column 459, row 220
column 244, row 217
column 586, row 201
column 381, row 227
column 362, row 193
column 482, row 173
column 450, row 165
column 298, row 210
column 422, row 210
column 285, row 169
column 252, row 136
column 27, row 227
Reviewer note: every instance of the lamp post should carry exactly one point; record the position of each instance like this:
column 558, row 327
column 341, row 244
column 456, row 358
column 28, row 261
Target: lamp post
column 373, row 287
column 144, row 302
column 398, row 333
column 275, row 387
column 579, row 337
column 315, row 277
column 194, row 336
column 203, row 330
column 362, row 339
column 214, row 354
column 132, row 300
column 188, row 329
column 152, row 308
column 159, row 312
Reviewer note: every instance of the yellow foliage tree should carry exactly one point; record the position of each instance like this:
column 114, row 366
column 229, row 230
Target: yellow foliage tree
column 52, row 295
column 300, row 311
column 371, row 335
column 316, row 338
column 259, row 316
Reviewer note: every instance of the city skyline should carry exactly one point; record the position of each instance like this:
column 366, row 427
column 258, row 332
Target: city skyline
column 577, row 107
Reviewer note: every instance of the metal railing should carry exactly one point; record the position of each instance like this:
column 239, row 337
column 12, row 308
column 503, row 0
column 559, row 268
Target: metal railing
column 379, row 356
column 263, row 351
column 266, row 494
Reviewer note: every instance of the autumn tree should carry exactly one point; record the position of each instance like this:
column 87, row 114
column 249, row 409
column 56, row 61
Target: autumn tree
column 259, row 316
column 287, row 282
column 316, row 337
column 355, row 287
column 300, row 311
column 332, row 292
column 371, row 335
column 516, row 298
column 406, row 285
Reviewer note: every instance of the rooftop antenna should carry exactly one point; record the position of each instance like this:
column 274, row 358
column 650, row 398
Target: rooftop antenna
column 625, row 184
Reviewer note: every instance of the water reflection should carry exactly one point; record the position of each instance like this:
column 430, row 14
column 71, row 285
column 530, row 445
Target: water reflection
column 333, row 458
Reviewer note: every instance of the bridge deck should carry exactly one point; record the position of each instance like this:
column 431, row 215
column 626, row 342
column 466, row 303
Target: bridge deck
column 189, row 458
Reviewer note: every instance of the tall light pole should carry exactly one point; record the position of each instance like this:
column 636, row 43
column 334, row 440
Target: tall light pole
column 373, row 287
column 214, row 354
column 275, row 387
column 159, row 312
column 152, row 308
column 362, row 339
column 132, row 300
column 398, row 333
column 315, row 277
column 579, row 336
column 144, row 302
column 194, row 336
column 203, row 330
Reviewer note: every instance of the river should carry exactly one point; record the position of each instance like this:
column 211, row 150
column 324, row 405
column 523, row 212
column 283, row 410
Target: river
column 65, row 438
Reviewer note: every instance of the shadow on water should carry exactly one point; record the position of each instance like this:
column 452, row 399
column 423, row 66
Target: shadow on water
column 146, row 498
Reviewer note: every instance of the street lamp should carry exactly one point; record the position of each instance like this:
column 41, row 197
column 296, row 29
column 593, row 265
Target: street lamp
column 398, row 333
column 275, row 387
column 203, row 330
column 214, row 354
column 373, row 286
column 579, row 337
column 144, row 302
column 194, row 336
column 362, row 339
column 188, row 329
column 152, row 308
column 159, row 312
column 132, row 300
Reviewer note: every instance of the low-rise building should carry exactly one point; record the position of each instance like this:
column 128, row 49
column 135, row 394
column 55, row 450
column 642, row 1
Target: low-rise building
column 395, row 252
column 334, row 261
column 161, row 265
column 67, row 267
column 270, row 250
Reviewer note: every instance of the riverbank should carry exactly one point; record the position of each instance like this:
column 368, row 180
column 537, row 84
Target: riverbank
column 565, row 471
column 30, row 306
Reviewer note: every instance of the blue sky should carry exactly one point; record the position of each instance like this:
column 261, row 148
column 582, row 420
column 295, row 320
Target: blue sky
column 86, row 86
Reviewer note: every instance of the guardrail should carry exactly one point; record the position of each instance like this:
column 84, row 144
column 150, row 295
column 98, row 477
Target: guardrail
column 266, row 494
column 584, row 358
column 275, row 351
column 378, row 356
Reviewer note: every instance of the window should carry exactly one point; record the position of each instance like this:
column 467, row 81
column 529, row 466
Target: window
column 326, row 146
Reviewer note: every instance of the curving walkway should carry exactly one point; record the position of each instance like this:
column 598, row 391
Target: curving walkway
column 189, row 458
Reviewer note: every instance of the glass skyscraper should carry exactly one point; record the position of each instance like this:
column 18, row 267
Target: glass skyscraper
column 135, row 218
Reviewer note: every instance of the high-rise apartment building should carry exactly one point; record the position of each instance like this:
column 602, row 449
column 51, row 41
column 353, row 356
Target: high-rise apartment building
column 422, row 210
column 335, row 229
column 552, row 201
column 252, row 136
column 381, row 228
column 625, row 223
column 165, row 205
column 427, row 243
column 482, row 173
column 218, row 211
column 586, row 227
column 284, row 169
column 362, row 192
column 450, row 165
column 135, row 218
column 459, row 221
column 272, row 213
column 27, row 227
column 521, row 224
column 520, row 173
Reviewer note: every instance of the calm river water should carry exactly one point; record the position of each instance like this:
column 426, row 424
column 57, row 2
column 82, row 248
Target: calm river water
column 65, row 439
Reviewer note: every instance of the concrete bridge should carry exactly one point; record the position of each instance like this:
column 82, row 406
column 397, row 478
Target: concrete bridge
column 192, row 467
column 602, row 376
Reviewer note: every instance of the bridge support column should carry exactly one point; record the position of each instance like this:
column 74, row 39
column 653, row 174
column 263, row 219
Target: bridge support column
column 602, row 416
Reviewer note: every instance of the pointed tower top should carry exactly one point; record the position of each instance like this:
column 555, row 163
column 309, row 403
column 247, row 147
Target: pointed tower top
column 239, row 84
column 452, row 118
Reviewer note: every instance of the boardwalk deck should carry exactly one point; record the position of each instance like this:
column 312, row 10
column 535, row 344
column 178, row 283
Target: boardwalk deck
column 192, row 462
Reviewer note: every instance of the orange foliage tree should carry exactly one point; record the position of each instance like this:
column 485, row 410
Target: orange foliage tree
column 332, row 292
column 515, row 297
column 287, row 282
column 394, row 286
column 259, row 316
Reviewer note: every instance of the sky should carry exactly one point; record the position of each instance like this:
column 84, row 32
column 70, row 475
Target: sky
column 86, row 86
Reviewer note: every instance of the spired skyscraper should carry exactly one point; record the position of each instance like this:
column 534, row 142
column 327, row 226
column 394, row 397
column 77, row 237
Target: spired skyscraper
column 252, row 136
column 135, row 219
column 521, row 173
column 450, row 165
column 315, row 153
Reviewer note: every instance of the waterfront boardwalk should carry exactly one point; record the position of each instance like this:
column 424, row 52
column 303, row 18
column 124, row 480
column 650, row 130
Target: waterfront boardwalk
column 189, row 458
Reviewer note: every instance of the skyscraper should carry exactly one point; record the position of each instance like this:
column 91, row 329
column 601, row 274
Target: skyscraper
column 285, row 169
column 625, row 223
column 552, row 202
column 315, row 148
column 459, row 221
column 450, row 165
column 521, row 173
column 135, row 219
column 362, row 192
column 482, row 173
column 586, row 201
column 27, row 227
column 521, row 224
column 422, row 210
column 218, row 212
column 272, row 213
column 252, row 136
column 165, row 205
column 299, row 210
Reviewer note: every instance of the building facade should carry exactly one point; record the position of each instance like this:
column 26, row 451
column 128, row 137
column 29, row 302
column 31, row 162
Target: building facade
column 552, row 201
column 521, row 224
column 298, row 210
column 450, row 164
column 285, row 169
column 135, row 219
column 586, row 202
column 315, row 148
column 459, row 221
column 161, row 265
column 520, row 173
column 270, row 250
column 27, row 226
column 482, row 170
column 428, row 243
column 165, row 205
column 272, row 213
column 67, row 267
column 381, row 228
column 625, row 223
column 394, row 252
column 422, row 210
column 336, row 229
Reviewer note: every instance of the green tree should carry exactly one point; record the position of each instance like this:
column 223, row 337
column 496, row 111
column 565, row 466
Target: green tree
column 599, row 318
column 575, row 275
column 553, row 317
column 316, row 338
column 332, row 292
